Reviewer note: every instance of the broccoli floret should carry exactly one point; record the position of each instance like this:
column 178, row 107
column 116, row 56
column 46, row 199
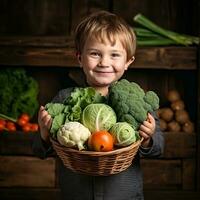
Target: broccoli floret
column 130, row 102
column 152, row 99
column 138, row 111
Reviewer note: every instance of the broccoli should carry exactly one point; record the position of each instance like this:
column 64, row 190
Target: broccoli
column 152, row 99
column 131, row 103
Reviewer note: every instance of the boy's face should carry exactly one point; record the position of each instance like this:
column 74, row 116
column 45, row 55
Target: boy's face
column 103, row 63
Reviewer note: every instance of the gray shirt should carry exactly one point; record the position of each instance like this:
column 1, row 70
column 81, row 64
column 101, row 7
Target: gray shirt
column 127, row 185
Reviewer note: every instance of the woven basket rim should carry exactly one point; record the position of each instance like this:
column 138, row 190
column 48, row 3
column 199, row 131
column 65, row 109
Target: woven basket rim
column 96, row 153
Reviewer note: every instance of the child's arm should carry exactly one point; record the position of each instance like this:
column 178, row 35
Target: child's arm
column 153, row 143
column 41, row 144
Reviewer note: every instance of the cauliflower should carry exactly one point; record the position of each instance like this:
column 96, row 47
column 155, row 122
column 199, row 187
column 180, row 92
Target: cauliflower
column 131, row 103
column 73, row 134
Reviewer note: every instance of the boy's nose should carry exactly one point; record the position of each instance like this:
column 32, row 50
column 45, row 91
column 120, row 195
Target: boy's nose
column 104, row 62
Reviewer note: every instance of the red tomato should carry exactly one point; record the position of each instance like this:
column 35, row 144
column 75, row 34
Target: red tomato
column 25, row 117
column 2, row 124
column 101, row 141
column 34, row 127
column 21, row 121
column 2, row 127
column 11, row 126
column 26, row 128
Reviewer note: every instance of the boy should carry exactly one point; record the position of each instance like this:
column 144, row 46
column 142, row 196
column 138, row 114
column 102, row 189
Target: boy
column 105, row 47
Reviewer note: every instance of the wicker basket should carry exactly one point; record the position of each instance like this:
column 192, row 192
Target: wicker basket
column 96, row 163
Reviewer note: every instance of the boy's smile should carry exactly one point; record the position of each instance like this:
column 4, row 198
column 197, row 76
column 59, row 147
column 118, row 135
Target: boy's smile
column 103, row 63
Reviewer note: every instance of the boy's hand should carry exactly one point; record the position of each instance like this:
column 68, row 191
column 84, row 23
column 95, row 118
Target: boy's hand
column 44, row 121
column 147, row 130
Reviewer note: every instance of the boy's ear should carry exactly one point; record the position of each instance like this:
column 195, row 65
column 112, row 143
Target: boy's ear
column 131, row 60
column 78, row 55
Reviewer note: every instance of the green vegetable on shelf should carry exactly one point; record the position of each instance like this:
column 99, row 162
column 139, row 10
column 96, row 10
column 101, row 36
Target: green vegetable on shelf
column 18, row 92
column 152, row 34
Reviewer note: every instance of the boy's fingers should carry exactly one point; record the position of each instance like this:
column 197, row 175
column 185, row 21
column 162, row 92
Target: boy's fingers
column 49, row 123
column 144, row 135
column 150, row 118
column 145, row 129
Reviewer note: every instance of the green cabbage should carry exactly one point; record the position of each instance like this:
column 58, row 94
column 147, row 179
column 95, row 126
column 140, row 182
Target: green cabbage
column 123, row 133
column 98, row 117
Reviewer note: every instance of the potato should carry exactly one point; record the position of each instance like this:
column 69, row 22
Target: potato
column 167, row 114
column 173, row 95
column 188, row 127
column 173, row 126
column 178, row 105
column 181, row 116
column 163, row 125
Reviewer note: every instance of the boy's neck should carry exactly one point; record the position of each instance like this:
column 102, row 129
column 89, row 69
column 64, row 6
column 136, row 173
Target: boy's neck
column 102, row 90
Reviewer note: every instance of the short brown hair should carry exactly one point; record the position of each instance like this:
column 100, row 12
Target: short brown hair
column 104, row 26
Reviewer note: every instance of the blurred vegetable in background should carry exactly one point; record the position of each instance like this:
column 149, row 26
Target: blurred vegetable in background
column 18, row 92
column 22, row 123
column 150, row 34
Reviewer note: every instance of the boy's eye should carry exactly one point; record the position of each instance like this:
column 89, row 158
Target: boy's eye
column 115, row 55
column 94, row 54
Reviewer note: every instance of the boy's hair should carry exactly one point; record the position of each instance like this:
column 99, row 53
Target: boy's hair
column 105, row 26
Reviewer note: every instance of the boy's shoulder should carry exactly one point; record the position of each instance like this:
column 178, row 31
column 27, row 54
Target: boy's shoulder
column 62, row 95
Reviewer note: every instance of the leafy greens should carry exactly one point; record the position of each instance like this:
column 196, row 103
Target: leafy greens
column 18, row 92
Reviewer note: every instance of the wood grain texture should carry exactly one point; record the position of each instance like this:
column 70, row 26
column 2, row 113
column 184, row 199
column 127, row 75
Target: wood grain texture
column 24, row 171
column 54, row 194
column 59, row 51
column 162, row 174
column 179, row 145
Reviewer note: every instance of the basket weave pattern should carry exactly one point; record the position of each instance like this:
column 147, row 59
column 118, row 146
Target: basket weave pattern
column 96, row 163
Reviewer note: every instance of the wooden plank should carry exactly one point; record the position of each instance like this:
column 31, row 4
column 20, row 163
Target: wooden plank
column 161, row 174
column 16, row 143
column 84, row 9
column 165, row 58
column 169, row 17
column 54, row 194
column 171, row 195
column 128, row 9
column 189, row 174
column 36, row 57
column 56, row 78
column 36, row 52
column 37, row 41
column 23, row 171
column 179, row 145
column 31, row 193
column 34, row 17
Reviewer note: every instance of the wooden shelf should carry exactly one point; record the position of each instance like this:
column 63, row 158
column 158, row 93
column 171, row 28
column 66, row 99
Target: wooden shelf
column 54, row 194
column 16, row 143
column 60, row 52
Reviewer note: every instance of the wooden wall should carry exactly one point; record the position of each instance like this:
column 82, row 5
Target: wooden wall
column 48, row 17
column 37, row 35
